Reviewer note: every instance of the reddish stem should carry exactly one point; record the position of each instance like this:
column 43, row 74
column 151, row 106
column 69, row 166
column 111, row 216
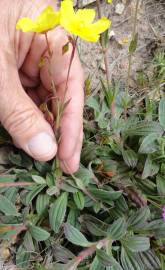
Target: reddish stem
column 15, row 184
column 89, row 251
column 69, row 68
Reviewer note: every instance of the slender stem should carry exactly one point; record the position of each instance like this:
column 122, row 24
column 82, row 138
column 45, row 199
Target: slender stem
column 135, row 18
column 99, row 8
column 50, row 54
column 59, row 106
column 107, row 67
column 105, row 50
column 133, row 37
column 69, row 69
column 89, row 251
column 48, row 46
column 16, row 184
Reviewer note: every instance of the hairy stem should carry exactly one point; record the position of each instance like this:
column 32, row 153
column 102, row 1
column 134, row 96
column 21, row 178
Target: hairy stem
column 89, row 251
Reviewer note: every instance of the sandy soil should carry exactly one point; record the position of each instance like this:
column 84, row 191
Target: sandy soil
column 151, row 28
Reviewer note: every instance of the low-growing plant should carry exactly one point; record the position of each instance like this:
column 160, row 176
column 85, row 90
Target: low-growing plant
column 110, row 214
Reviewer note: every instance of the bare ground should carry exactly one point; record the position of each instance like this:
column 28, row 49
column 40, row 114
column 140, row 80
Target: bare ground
column 151, row 33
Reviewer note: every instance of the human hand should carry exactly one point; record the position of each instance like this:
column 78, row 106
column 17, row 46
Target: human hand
column 20, row 54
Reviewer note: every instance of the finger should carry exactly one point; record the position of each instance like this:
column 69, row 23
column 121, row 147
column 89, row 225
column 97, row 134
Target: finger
column 21, row 117
column 72, row 165
column 72, row 119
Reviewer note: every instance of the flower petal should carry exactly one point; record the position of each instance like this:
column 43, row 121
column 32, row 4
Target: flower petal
column 86, row 34
column 25, row 24
column 47, row 20
column 80, row 23
column 101, row 25
column 67, row 13
column 85, row 15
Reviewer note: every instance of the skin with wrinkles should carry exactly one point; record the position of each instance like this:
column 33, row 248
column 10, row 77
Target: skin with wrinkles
column 23, row 86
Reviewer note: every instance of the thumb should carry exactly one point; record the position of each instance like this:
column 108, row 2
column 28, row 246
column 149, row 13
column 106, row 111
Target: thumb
column 21, row 117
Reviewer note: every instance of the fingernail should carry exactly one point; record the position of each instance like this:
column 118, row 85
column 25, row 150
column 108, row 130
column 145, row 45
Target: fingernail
column 42, row 146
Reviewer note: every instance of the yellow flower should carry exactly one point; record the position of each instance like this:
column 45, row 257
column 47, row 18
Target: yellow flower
column 47, row 20
column 109, row 1
column 80, row 23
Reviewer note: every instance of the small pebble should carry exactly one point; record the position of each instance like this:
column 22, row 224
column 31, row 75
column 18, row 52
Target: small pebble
column 119, row 9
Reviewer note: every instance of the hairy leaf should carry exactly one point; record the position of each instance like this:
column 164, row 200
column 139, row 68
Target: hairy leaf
column 75, row 236
column 57, row 212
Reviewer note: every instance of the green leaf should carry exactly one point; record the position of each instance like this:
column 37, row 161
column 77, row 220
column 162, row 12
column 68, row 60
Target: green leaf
column 11, row 194
column 162, row 112
column 42, row 167
column 22, row 258
column 96, row 265
column 93, row 103
column 148, row 144
column 28, row 242
column 150, row 168
column 15, row 159
column 58, row 211
column 133, row 44
column 62, row 254
column 150, row 260
column 69, row 187
column 7, row 178
column 72, row 265
column 138, row 219
column 144, row 128
column 74, row 236
column 104, row 194
column 52, row 191
column 38, row 179
column 73, row 217
column 94, row 229
column 65, row 48
column 103, row 258
column 115, row 265
column 32, row 194
column 57, row 266
column 137, row 243
column 130, row 158
column 38, row 233
column 160, row 181
column 118, row 229
column 7, row 207
column 130, row 261
column 79, row 199
column 156, row 227
column 42, row 203
column 84, row 175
